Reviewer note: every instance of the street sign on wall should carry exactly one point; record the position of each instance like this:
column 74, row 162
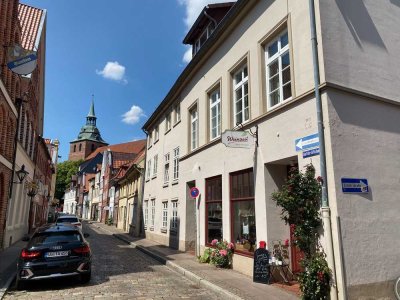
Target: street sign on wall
column 21, row 61
column 237, row 139
column 311, row 152
column 307, row 142
column 194, row 192
column 355, row 185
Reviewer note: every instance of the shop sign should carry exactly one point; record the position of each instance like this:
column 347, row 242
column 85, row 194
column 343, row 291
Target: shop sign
column 237, row 139
column 21, row 61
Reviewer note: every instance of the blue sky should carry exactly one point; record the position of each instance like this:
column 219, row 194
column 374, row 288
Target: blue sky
column 128, row 53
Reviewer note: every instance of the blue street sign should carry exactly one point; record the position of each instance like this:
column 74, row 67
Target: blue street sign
column 307, row 142
column 311, row 152
column 194, row 192
column 355, row 185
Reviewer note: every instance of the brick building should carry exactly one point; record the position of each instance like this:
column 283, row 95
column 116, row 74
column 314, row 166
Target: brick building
column 22, row 107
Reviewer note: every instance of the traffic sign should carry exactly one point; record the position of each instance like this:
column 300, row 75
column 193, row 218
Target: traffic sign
column 355, row 185
column 194, row 192
column 21, row 61
column 311, row 152
column 307, row 142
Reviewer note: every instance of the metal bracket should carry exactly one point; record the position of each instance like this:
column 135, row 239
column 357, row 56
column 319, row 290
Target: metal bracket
column 254, row 134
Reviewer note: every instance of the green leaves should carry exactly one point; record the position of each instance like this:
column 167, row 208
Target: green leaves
column 65, row 170
column 299, row 199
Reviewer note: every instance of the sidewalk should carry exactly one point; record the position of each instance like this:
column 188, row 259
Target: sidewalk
column 8, row 265
column 228, row 283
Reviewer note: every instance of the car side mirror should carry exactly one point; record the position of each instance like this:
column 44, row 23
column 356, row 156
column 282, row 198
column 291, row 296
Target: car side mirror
column 86, row 235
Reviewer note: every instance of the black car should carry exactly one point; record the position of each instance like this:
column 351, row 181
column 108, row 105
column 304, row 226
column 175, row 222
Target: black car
column 55, row 250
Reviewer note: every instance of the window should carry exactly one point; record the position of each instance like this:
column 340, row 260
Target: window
column 74, row 148
column 241, row 96
column 177, row 113
column 203, row 37
column 165, row 215
column 243, row 212
column 155, row 163
column 168, row 122
column 194, row 128
column 166, row 168
column 156, row 134
column 150, row 139
column 277, row 59
column 213, row 209
column 176, row 163
column 148, row 169
column 80, row 147
column 146, row 213
column 174, row 220
column 153, row 212
column 215, row 114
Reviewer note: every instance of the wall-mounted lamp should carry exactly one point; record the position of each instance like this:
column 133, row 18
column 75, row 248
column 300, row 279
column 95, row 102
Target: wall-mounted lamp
column 21, row 174
column 32, row 189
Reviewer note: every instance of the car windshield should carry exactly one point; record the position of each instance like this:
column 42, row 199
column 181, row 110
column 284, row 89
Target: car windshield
column 55, row 237
column 67, row 220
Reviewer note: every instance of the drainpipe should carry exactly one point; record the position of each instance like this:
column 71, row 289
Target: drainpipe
column 326, row 218
column 143, row 176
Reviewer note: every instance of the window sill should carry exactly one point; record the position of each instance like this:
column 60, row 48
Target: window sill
column 176, row 181
column 173, row 232
column 164, row 230
column 147, row 179
column 149, row 146
column 145, row 227
column 151, row 228
column 165, row 185
column 154, row 176
column 156, row 141
column 177, row 123
column 167, row 131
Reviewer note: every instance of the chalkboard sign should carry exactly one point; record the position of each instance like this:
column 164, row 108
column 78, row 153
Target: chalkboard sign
column 261, row 267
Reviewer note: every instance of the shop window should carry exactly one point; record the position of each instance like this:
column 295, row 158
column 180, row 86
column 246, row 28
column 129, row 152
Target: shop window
column 243, row 212
column 213, row 209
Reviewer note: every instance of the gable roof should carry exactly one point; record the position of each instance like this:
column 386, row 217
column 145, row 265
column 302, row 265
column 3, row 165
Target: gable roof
column 32, row 21
column 130, row 147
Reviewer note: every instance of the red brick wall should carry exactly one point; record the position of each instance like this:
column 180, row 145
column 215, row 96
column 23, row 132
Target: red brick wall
column 86, row 149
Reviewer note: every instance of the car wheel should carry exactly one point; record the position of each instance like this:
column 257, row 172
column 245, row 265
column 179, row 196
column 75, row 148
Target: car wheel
column 85, row 278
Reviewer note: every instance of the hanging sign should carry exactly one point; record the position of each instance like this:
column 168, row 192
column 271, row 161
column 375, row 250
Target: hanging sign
column 21, row 61
column 237, row 139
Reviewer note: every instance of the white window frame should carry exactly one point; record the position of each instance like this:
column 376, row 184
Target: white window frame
column 174, row 217
column 177, row 113
column 194, row 127
column 150, row 139
column 146, row 212
column 153, row 212
column 166, row 168
column 168, row 122
column 282, row 51
column 155, row 165
column 217, row 106
column 165, row 215
column 156, row 134
column 241, row 86
column 148, row 173
column 176, row 164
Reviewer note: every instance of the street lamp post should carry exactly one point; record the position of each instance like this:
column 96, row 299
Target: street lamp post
column 32, row 192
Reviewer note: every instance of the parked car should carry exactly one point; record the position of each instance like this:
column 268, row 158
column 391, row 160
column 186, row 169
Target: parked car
column 55, row 250
column 69, row 219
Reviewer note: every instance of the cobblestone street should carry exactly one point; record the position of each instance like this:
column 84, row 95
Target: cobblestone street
column 118, row 272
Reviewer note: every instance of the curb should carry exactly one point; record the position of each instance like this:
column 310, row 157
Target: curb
column 5, row 287
column 184, row 272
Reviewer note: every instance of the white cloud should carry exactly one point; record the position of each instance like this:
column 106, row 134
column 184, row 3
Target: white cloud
column 193, row 9
column 187, row 57
column 133, row 115
column 113, row 71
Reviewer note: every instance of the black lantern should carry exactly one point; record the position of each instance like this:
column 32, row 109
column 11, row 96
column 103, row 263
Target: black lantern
column 21, row 174
column 33, row 189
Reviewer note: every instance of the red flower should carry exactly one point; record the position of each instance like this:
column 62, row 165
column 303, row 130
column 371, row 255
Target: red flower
column 320, row 179
column 320, row 276
column 287, row 242
column 292, row 227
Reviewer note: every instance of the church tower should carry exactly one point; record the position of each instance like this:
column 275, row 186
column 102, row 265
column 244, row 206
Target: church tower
column 89, row 138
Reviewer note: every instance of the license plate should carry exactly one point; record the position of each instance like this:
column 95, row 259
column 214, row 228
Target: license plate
column 57, row 254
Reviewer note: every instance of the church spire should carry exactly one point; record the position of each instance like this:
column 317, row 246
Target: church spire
column 91, row 117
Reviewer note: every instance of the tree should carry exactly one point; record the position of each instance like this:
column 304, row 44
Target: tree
column 65, row 170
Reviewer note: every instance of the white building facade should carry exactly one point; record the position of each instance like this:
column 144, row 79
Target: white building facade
column 256, row 69
column 70, row 201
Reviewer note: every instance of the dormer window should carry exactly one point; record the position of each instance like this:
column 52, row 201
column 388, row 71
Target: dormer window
column 203, row 37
